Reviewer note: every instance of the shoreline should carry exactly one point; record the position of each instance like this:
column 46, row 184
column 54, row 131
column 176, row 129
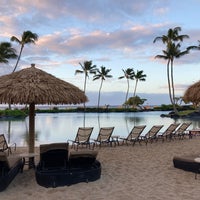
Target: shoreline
column 128, row 172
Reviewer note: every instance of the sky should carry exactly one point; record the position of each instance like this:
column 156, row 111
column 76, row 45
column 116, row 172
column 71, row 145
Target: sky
column 116, row 34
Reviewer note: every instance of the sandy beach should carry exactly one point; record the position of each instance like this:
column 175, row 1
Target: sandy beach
column 128, row 172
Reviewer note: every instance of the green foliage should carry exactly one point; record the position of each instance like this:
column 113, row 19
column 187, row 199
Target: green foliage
column 135, row 101
column 13, row 113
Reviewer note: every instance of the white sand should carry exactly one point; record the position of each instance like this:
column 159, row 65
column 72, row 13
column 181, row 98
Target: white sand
column 139, row 173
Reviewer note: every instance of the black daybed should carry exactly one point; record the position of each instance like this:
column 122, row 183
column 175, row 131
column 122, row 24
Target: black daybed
column 187, row 163
column 9, row 168
column 58, row 167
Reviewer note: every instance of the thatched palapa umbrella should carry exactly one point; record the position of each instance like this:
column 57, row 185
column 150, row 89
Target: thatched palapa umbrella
column 34, row 86
column 192, row 94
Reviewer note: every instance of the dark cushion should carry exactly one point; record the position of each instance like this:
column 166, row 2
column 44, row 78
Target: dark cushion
column 187, row 162
column 82, row 158
column 53, row 155
column 8, row 162
column 9, row 167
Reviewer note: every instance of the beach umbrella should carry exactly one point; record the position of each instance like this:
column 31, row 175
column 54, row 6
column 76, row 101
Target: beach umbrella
column 33, row 86
column 192, row 94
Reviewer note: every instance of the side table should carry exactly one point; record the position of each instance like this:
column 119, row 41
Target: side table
column 28, row 159
column 115, row 139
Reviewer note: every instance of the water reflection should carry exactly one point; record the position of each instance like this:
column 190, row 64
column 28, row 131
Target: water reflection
column 60, row 127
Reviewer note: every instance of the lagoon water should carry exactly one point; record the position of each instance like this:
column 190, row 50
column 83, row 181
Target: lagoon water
column 60, row 127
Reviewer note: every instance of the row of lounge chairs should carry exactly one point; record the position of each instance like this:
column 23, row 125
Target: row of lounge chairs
column 69, row 167
column 173, row 131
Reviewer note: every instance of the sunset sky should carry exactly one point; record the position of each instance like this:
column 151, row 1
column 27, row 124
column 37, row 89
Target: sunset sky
column 117, row 34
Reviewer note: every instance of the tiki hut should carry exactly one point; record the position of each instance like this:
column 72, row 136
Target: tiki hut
column 192, row 94
column 33, row 86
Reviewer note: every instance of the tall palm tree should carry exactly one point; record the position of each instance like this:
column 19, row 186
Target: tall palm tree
column 139, row 76
column 7, row 52
column 102, row 74
column 172, row 41
column 87, row 68
column 128, row 74
column 172, row 36
column 27, row 38
column 172, row 52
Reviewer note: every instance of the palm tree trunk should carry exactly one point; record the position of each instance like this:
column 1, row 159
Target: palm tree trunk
column 169, row 84
column 99, row 93
column 85, row 91
column 173, row 92
column 126, row 98
column 18, row 58
column 135, row 87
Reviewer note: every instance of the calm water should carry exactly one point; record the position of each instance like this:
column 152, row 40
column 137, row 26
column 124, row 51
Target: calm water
column 60, row 127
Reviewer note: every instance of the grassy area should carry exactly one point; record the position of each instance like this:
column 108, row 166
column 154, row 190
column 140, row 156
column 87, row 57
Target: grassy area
column 13, row 113
column 185, row 112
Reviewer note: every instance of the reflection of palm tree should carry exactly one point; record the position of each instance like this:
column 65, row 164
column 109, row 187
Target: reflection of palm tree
column 127, row 128
column 139, row 76
column 98, row 117
column 27, row 38
column 102, row 74
column 128, row 74
column 172, row 51
column 9, row 128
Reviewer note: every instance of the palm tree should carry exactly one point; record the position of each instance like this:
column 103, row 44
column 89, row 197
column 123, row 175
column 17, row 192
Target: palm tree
column 194, row 47
column 172, row 36
column 27, row 38
column 139, row 76
column 102, row 74
column 7, row 52
column 172, row 51
column 128, row 74
column 87, row 68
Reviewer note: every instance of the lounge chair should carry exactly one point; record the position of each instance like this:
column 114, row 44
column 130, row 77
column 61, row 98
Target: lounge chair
column 134, row 136
column 9, row 168
column 58, row 167
column 4, row 146
column 182, row 130
column 167, row 134
column 151, row 134
column 82, row 137
column 104, row 136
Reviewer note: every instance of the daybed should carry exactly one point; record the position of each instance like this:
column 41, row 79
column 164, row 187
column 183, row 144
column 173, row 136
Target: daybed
column 9, row 168
column 187, row 163
column 58, row 167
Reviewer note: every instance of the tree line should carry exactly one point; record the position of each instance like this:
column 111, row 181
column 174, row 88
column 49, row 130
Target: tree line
column 173, row 41
column 102, row 73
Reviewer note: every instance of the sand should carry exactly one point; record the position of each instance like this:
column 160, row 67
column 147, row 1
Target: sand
column 128, row 172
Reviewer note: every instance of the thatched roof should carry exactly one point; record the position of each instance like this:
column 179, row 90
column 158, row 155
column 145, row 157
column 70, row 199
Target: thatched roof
column 32, row 85
column 192, row 94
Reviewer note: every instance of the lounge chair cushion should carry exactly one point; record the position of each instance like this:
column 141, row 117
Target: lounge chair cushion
column 54, row 155
column 9, row 167
column 82, row 158
column 9, row 161
column 187, row 162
